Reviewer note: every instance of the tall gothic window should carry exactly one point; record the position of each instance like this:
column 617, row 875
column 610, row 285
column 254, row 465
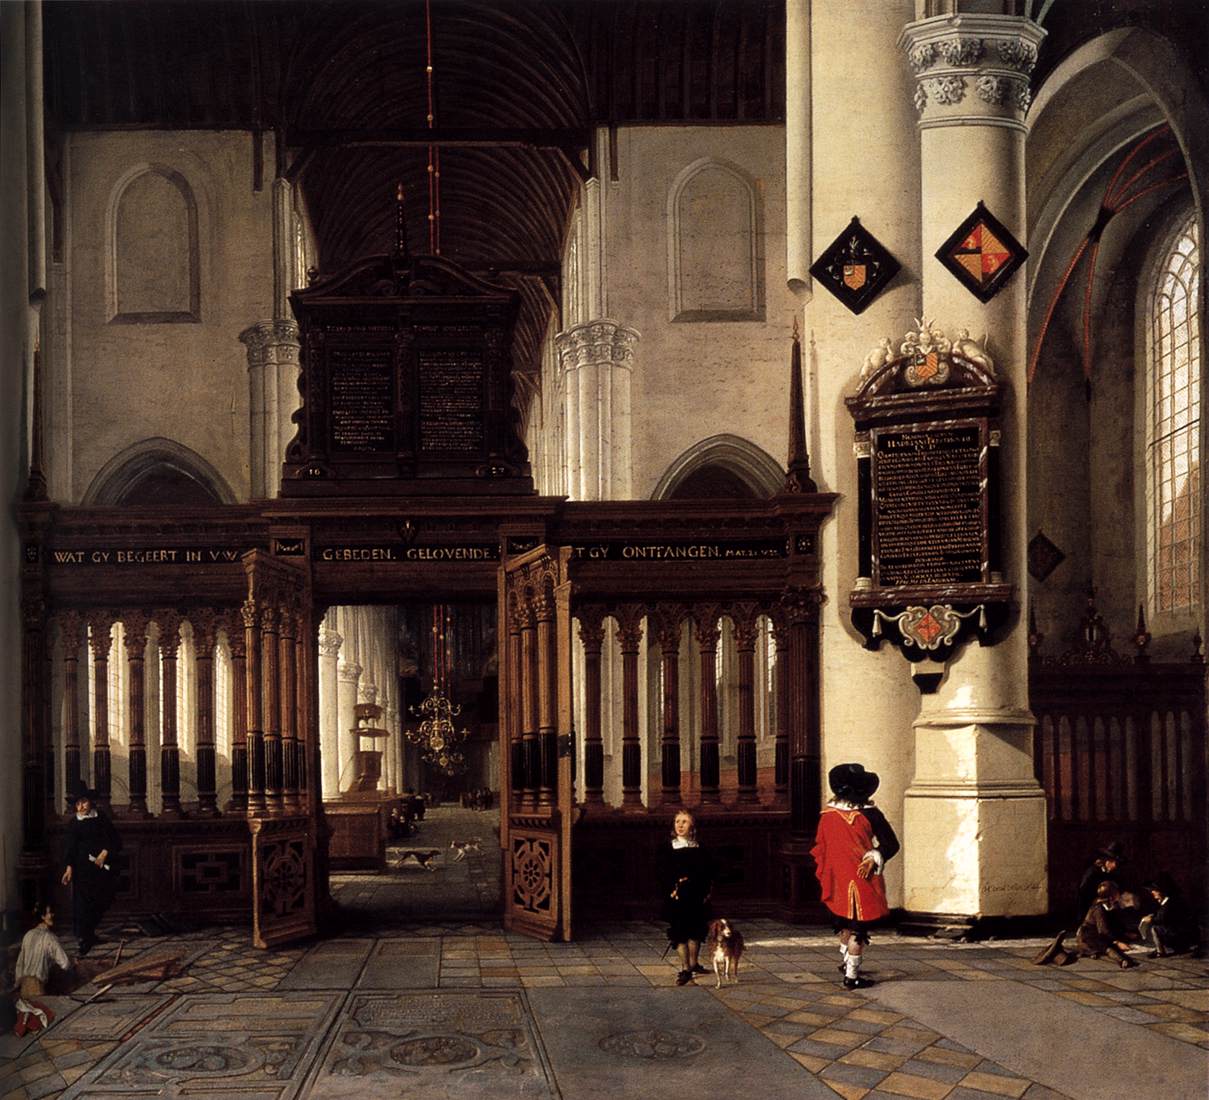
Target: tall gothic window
column 1173, row 392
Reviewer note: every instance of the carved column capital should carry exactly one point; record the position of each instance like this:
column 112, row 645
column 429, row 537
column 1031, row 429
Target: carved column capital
column 329, row 642
column 603, row 342
column 100, row 634
column 271, row 342
column 706, row 628
column 591, row 627
column 169, row 623
column 348, row 671
column 972, row 69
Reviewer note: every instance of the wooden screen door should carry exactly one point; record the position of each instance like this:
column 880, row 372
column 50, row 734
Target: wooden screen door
column 536, row 742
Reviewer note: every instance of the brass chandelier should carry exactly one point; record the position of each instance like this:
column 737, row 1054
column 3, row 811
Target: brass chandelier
column 436, row 735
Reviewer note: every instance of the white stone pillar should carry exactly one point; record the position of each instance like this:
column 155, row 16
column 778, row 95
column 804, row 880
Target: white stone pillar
column 975, row 817
column 797, row 143
column 596, row 359
column 329, row 708
column 871, row 725
column 273, row 391
column 348, row 676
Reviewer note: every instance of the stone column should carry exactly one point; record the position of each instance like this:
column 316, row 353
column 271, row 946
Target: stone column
column 329, row 709
column 974, row 815
column 348, row 675
column 596, row 360
column 273, row 388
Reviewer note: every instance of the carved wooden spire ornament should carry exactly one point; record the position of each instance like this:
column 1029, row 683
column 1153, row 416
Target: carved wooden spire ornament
column 797, row 476
column 400, row 225
column 36, row 488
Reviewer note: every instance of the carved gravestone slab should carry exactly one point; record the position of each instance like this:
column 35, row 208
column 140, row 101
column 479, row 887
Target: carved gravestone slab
column 406, row 384
column 927, row 448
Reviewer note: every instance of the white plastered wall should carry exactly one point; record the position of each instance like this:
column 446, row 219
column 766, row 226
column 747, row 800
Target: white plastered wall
column 183, row 381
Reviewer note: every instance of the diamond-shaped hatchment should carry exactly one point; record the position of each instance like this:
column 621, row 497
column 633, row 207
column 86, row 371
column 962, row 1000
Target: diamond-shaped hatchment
column 982, row 254
column 855, row 267
column 1043, row 557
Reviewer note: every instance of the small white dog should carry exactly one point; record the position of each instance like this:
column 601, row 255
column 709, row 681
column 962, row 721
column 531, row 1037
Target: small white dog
column 461, row 847
column 725, row 946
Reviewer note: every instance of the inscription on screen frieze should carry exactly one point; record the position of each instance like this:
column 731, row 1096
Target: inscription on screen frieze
column 929, row 505
column 451, row 400
column 361, row 398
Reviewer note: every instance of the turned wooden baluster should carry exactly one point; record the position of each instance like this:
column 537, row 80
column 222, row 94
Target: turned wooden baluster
column 530, row 743
column 629, row 636
column 514, row 715
column 547, row 698
column 591, row 633
column 255, row 709
column 100, row 637
column 746, row 631
column 708, row 634
column 270, row 655
column 667, row 630
column 71, row 628
column 134, row 633
column 289, row 709
column 205, row 631
column 781, row 701
column 236, row 642
column 170, row 753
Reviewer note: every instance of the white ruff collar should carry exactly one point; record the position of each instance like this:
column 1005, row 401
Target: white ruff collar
column 85, row 817
column 683, row 842
column 840, row 804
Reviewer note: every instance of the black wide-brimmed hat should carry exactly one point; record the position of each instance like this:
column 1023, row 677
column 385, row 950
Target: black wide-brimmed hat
column 851, row 782
column 1111, row 851
column 82, row 790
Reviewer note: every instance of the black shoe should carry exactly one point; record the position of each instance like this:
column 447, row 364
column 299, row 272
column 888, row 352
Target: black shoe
column 85, row 947
column 684, row 977
column 858, row 983
column 697, row 968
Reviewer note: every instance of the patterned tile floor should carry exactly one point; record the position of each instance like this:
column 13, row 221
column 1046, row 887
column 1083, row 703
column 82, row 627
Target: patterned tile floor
column 789, row 993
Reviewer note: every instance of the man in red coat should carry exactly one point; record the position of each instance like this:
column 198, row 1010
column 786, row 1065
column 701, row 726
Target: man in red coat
column 852, row 843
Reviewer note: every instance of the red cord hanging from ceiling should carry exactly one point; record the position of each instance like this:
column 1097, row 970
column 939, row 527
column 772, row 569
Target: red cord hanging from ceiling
column 1117, row 197
column 434, row 153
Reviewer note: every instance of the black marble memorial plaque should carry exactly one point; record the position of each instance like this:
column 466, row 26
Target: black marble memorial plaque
column 929, row 505
column 451, row 401
column 361, row 397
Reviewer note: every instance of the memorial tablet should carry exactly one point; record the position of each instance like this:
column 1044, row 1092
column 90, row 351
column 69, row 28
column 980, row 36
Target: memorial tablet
column 361, row 399
column 929, row 491
column 451, row 401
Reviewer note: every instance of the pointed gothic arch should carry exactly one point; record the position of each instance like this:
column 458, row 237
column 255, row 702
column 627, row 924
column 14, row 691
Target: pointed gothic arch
column 146, row 471
column 737, row 461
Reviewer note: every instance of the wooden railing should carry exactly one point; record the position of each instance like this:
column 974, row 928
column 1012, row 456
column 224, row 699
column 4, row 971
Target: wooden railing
column 1120, row 750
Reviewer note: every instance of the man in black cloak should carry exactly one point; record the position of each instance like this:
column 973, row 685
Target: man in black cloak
column 91, row 842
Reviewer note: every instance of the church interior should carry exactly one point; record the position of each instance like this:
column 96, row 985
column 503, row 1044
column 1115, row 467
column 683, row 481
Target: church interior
column 446, row 440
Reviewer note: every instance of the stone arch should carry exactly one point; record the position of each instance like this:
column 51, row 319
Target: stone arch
column 735, row 458
column 151, row 468
column 153, row 262
column 715, row 244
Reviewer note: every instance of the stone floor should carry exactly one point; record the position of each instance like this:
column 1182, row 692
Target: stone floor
column 462, row 1010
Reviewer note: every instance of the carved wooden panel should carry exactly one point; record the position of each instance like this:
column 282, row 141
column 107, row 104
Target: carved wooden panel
column 283, row 880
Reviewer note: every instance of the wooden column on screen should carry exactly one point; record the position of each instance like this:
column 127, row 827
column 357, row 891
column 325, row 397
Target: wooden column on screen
column 170, row 754
column 744, row 619
column 236, row 642
column 270, row 655
column 288, row 640
column 134, row 634
column 708, row 633
column 72, row 632
column 100, row 636
column 667, row 631
column 204, row 634
column 781, row 702
column 514, row 713
column 547, row 697
column 591, row 633
column 253, row 678
column 629, row 635
column 530, row 746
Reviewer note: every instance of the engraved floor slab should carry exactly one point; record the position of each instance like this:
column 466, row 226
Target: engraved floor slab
column 111, row 1017
column 478, row 1045
column 245, row 1046
column 610, row 1042
column 402, row 964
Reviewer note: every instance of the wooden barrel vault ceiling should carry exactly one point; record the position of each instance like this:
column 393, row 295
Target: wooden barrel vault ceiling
column 519, row 88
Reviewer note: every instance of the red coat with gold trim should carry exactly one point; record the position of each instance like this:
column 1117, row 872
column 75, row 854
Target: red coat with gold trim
column 843, row 837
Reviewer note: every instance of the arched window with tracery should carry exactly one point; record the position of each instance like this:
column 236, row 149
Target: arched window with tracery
column 1173, row 411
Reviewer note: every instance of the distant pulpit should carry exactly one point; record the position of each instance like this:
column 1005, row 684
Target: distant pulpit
column 406, row 384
